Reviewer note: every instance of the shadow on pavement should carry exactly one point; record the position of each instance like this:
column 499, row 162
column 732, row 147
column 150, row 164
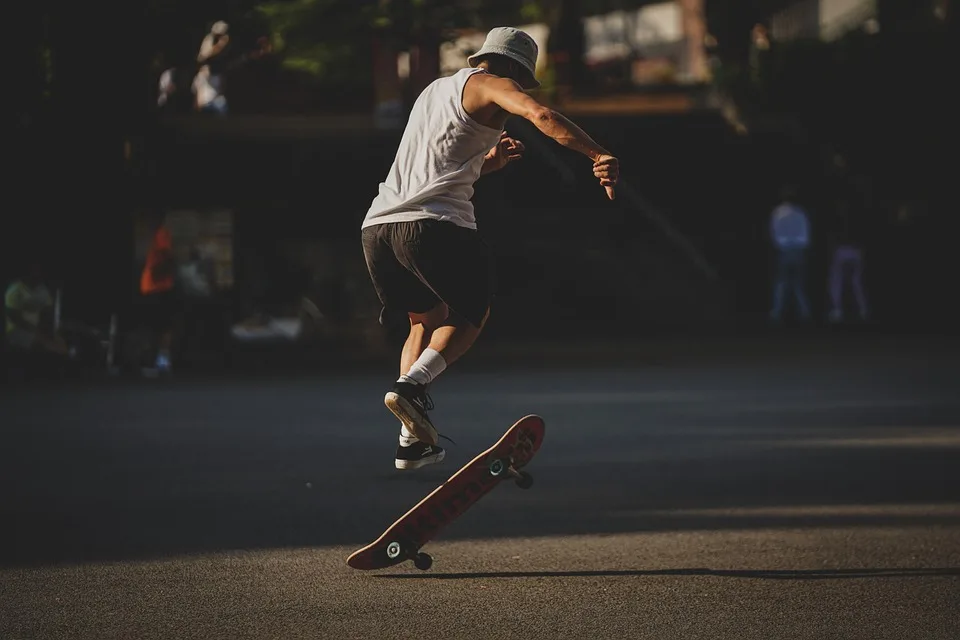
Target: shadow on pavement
column 146, row 471
column 759, row 574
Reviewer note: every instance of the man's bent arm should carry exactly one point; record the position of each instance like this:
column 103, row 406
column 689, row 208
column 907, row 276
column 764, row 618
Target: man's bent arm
column 509, row 97
column 489, row 165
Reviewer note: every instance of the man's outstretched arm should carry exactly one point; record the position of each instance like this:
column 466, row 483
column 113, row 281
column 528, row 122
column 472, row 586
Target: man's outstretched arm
column 509, row 97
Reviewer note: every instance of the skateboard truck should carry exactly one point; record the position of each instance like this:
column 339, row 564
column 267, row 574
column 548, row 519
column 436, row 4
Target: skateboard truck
column 504, row 466
column 421, row 560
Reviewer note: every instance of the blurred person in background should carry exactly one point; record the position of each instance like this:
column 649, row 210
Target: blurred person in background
column 157, row 287
column 29, row 322
column 173, row 85
column 197, row 292
column 197, row 274
column 420, row 241
column 210, row 82
column 790, row 235
column 166, row 88
column 846, row 265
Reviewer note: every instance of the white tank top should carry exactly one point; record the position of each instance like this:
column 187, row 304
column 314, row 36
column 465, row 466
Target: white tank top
column 438, row 160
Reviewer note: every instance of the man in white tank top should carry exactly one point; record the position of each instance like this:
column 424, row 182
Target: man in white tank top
column 420, row 238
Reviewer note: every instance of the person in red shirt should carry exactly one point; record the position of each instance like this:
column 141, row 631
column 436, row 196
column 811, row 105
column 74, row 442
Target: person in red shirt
column 157, row 287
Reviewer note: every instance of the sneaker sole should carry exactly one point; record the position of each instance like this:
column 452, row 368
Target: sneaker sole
column 416, row 464
column 399, row 406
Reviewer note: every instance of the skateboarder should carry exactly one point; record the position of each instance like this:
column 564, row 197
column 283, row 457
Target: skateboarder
column 420, row 238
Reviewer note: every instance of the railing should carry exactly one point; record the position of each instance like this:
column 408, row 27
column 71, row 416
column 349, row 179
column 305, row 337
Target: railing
column 107, row 339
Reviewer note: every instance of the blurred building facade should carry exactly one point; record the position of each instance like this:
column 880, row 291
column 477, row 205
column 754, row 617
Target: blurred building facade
column 823, row 19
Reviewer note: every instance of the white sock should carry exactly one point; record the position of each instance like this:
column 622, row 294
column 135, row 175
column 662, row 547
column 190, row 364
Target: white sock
column 406, row 438
column 428, row 366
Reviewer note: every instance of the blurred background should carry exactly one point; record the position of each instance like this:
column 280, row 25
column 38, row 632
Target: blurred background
column 247, row 139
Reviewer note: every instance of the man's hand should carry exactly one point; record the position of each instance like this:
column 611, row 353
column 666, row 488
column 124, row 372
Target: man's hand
column 505, row 151
column 607, row 169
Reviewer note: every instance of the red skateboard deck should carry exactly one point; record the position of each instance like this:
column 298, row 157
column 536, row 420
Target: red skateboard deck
column 403, row 539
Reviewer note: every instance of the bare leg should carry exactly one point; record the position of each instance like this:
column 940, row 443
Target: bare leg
column 416, row 342
column 448, row 335
column 422, row 326
column 455, row 337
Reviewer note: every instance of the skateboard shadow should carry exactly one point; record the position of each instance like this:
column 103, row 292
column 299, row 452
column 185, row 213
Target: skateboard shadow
column 757, row 574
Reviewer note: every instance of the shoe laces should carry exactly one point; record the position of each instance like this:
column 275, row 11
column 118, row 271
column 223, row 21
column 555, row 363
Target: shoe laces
column 429, row 406
column 426, row 400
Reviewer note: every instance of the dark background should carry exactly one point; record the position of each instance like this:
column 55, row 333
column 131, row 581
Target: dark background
column 567, row 256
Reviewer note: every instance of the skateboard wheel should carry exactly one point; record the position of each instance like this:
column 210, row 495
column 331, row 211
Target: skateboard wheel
column 499, row 467
column 422, row 561
column 525, row 481
column 394, row 549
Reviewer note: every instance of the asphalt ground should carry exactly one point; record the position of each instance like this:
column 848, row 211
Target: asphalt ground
column 813, row 496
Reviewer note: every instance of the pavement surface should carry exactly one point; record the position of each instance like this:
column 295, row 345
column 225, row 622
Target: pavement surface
column 720, row 499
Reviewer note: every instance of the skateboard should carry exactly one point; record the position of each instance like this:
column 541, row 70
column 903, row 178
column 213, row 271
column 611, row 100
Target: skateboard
column 403, row 539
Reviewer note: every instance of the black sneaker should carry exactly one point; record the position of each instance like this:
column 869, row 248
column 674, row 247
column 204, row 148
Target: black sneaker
column 418, row 454
column 410, row 403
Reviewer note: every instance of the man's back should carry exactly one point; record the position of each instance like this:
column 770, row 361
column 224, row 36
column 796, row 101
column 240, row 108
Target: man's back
column 438, row 160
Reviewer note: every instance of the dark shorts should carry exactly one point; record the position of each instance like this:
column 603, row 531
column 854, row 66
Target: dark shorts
column 415, row 265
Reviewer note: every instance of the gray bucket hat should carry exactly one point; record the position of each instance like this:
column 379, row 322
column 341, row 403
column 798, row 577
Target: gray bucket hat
column 516, row 45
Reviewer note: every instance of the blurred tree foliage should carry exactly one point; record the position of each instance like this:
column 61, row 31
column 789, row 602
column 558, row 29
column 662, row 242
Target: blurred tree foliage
column 331, row 39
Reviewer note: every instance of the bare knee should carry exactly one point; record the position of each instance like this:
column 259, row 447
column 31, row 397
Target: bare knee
column 432, row 319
